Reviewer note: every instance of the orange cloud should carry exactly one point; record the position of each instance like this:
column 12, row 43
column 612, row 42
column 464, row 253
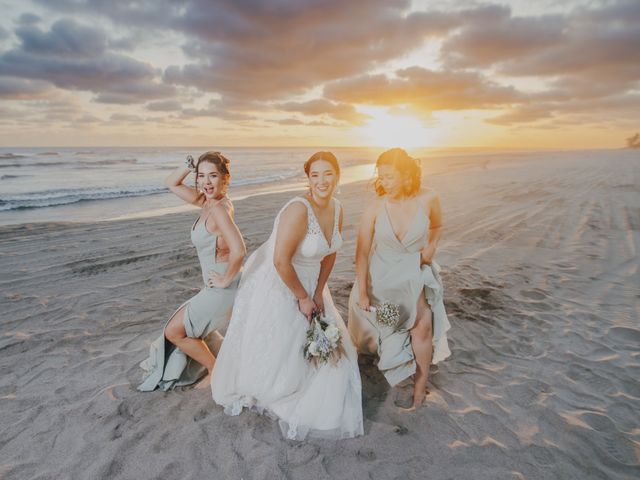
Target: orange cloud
column 424, row 90
column 339, row 111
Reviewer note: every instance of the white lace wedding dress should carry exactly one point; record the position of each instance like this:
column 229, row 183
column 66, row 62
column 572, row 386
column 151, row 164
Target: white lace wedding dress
column 261, row 364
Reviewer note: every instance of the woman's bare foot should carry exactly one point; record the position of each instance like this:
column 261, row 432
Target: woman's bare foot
column 417, row 403
column 415, row 406
column 204, row 383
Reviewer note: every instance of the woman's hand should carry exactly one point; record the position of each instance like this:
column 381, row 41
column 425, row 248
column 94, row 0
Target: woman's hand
column 216, row 280
column 426, row 255
column 365, row 303
column 190, row 164
column 319, row 301
column 307, row 307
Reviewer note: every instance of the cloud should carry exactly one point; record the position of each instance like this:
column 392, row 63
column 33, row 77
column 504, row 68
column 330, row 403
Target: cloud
column 523, row 114
column 588, row 59
column 28, row 19
column 217, row 109
column 295, row 122
column 425, row 90
column 67, row 38
column 598, row 44
column 501, row 38
column 254, row 56
column 164, row 106
column 23, row 89
column 339, row 111
column 126, row 118
column 139, row 91
column 271, row 50
column 607, row 109
column 73, row 56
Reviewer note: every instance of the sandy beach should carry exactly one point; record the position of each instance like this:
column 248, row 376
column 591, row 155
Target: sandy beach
column 540, row 262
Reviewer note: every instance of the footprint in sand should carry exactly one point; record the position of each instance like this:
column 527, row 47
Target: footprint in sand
column 624, row 415
column 612, row 444
column 301, row 454
column 621, row 449
column 533, row 294
column 525, row 394
column 202, row 413
column 366, row 454
column 625, row 336
column 586, row 376
column 631, row 387
column 124, row 411
column 598, row 422
column 541, row 455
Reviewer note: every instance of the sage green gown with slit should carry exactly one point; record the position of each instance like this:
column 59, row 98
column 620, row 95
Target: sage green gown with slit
column 210, row 309
column 396, row 276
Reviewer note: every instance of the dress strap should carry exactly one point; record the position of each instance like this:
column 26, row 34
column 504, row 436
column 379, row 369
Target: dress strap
column 312, row 223
column 336, row 221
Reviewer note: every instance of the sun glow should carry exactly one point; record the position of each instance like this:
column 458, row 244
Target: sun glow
column 392, row 130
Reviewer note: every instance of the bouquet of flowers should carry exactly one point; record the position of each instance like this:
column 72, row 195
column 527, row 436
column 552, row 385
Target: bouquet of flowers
column 323, row 342
column 387, row 314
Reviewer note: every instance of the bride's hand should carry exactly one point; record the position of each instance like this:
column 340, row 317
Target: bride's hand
column 307, row 306
column 319, row 301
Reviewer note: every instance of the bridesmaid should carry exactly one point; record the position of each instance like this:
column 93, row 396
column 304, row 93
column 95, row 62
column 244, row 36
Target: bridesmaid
column 180, row 356
column 397, row 239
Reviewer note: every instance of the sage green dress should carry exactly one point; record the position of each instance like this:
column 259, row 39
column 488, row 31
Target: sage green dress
column 396, row 276
column 210, row 309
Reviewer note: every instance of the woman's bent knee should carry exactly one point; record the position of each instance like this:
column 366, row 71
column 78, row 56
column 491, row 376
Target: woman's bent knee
column 423, row 330
column 174, row 332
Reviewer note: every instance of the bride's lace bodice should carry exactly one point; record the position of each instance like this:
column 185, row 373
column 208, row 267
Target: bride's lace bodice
column 314, row 247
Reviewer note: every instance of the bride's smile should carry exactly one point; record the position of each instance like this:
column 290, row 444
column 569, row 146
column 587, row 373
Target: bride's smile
column 322, row 181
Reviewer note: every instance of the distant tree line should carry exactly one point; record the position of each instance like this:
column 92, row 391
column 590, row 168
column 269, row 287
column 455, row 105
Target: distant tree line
column 633, row 141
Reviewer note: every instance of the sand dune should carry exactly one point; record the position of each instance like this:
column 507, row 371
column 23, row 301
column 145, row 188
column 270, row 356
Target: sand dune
column 540, row 257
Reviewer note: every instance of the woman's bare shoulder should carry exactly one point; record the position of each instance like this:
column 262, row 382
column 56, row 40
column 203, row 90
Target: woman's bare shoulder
column 295, row 210
column 427, row 197
column 427, row 194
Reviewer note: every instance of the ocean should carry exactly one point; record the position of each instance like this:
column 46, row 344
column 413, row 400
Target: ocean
column 101, row 184
column 97, row 184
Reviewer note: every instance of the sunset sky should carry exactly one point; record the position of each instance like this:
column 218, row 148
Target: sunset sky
column 532, row 74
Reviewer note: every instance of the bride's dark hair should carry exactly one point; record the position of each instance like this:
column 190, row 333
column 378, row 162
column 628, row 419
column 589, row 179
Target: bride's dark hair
column 327, row 157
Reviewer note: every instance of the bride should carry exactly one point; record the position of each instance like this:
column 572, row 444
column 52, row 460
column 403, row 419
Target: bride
column 261, row 364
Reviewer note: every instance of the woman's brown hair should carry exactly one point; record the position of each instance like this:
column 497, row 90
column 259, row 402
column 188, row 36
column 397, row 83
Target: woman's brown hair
column 409, row 168
column 326, row 156
column 220, row 161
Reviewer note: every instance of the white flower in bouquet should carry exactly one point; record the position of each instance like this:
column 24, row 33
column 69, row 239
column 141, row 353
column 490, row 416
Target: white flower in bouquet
column 333, row 334
column 387, row 314
column 323, row 342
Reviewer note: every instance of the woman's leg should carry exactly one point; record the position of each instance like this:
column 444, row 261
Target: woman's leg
column 193, row 347
column 422, row 345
